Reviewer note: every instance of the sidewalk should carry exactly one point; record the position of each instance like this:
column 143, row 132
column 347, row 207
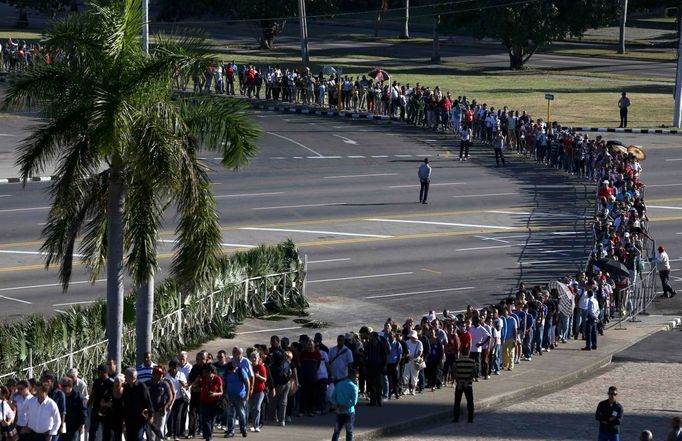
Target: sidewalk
column 557, row 369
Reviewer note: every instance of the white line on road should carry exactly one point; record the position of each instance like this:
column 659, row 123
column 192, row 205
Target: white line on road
column 31, row 253
column 447, row 224
column 16, row 300
column 12, row 210
column 324, row 157
column 85, row 302
column 403, row 156
column 484, row 248
column 533, row 262
column 493, row 238
column 379, row 156
column 48, row 285
column 227, row 245
column 361, row 277
column 6, row 134
column 665, row 207
column 663, row 185
column 346, row 140
column 673, row 159
column 344, row 259
column 335, row 233
column 331, row 204
column 431, row 291
column 5, row 195
column 483, row 195
column 295, row 142
column 360, row 176
column 245, row 195
column 432, row 185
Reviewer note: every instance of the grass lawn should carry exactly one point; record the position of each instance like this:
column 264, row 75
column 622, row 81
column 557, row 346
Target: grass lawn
column 579, row 100
column 19, row 35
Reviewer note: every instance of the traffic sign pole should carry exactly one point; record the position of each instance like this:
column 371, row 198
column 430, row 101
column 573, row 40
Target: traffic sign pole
column 549, row 97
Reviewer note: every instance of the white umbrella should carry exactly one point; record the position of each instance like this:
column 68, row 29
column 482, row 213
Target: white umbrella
column 328, row 70
column 566, row 298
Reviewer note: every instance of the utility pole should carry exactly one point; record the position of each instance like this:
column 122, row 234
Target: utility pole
column 435, row 53
column 405, row 31
column 305, row 58
column 677, row 117
column 623, row 21
column 145, row 26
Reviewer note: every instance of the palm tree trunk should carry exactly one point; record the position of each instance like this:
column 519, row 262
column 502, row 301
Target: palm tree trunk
column 405, row 31
column 115, row 265
column 623, row 20
column 144, row 316
column 435, row 53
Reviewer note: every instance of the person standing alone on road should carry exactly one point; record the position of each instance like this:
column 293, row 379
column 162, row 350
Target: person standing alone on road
column 424, row 174
column 465, row 137
column 609, row 414
column 465, row 368
column 663, row 267
column 623, row 104
column 498, row 145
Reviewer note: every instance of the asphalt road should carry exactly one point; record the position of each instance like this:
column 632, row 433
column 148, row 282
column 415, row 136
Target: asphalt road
column 347, row 193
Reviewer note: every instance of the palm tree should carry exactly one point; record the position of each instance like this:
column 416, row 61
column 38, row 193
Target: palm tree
column 126, row 150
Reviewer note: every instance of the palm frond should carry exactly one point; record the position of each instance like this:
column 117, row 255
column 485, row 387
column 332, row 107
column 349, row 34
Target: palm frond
column 93, row 245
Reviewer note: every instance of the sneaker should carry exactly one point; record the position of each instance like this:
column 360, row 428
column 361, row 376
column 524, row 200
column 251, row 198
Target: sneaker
column 282, row 424
column 496, row 373
column 257, row 429
column 253, row 429
column 412, row 392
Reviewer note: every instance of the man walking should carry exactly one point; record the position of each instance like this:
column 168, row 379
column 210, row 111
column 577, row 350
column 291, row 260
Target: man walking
column 663, row 267
column 344, row 399
column 609, row 414
column 424, row 175
column 623, row 104
column 464, row 375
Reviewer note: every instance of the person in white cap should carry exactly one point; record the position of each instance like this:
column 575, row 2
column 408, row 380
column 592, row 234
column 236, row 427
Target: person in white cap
column 415, row 348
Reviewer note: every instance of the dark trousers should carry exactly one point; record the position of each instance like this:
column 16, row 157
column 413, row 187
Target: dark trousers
column 393, row 374
column 665, row 282
column 176, row 423
column 374, row 384
column 208, row 413
column 624, row 117
column 95, row 421
column 591, row 333
column 135, row 430
column 499, row 156
column 424, row 190
column 476, row 356
column 464, row 149
column 344, row 419
column 194, row 414
column 468, row 391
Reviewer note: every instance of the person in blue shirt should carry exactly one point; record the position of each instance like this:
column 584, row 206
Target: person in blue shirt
column 393, row 366
column 526, row 322
column 237, row 391
column 344, row 399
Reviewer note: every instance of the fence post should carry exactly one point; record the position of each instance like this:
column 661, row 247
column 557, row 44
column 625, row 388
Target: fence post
column 284, row 287
column 179, row 317
column 30, row 362
column 304, row 282
column 70, row 351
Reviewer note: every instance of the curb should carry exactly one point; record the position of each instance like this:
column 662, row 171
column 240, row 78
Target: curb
column 305, row 110
column 31, row 179
column 496, row 402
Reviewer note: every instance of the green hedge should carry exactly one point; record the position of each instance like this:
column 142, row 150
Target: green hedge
column 81, row 328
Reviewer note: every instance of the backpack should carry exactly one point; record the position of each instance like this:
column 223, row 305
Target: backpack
column 281, row 369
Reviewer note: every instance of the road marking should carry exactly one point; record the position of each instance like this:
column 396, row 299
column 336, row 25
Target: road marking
column 16, row 300
column 6, row 134
column 324, row 157
column 85, row 302
column 48, row 285
column 431, row 291
column 344, row 259
column 428, row 270
column 432, row 185
column 447, row 224
column 227, row 245
column 371, row 276
column 483, row 195
column 245, row 195
column 379, row 156
column 335, row 233
column 32, row 253
column 539, row 214
column 277, row 157
column 13, row 210
column 484, row 248
column 331, row 204
column 270, row 330
column 403, row 156
column 360, row 176
column 295, row 142
column 493, row 238
column 533, row 262
column 355, row 157
column 5, row 195
column 665, row 207
column 663, row 185
column 673, row 159
column 346, row 140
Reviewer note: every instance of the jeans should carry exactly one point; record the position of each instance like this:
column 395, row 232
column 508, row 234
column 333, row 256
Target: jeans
column 468, row 391
column 277, row 406
column 527, row 347
column 564, row 327
column 177, row 417
column 344, row 419
column 208, row 414
column 608, row 437
column 537, row 340
column 591, row 333
column 496, row 357
column 424, row 189
column 236, row 406
column 254, row 405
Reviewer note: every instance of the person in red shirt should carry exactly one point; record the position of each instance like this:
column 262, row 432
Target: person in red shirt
column 260, row 378
column 211, row 386
column 464, row 335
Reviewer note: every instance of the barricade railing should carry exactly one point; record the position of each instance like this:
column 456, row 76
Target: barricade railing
column 252, row 294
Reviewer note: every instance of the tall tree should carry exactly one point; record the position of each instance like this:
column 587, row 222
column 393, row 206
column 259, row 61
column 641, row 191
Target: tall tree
column 405, row 30
column 524, row 27
column 621, row 25
column 125, row 151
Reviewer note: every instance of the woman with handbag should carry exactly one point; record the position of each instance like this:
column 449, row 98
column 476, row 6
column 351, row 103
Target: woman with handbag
column 414, row 362
column 8, row 431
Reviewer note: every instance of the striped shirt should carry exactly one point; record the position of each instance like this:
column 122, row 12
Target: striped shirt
column 464, row 370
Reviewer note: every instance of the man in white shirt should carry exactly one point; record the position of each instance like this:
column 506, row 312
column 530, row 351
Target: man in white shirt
column 183, row 365
column 663, row 267
column 340, row 359
column 479, row 339
column 591, row 322
column 21, row 400
column 42, row 417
